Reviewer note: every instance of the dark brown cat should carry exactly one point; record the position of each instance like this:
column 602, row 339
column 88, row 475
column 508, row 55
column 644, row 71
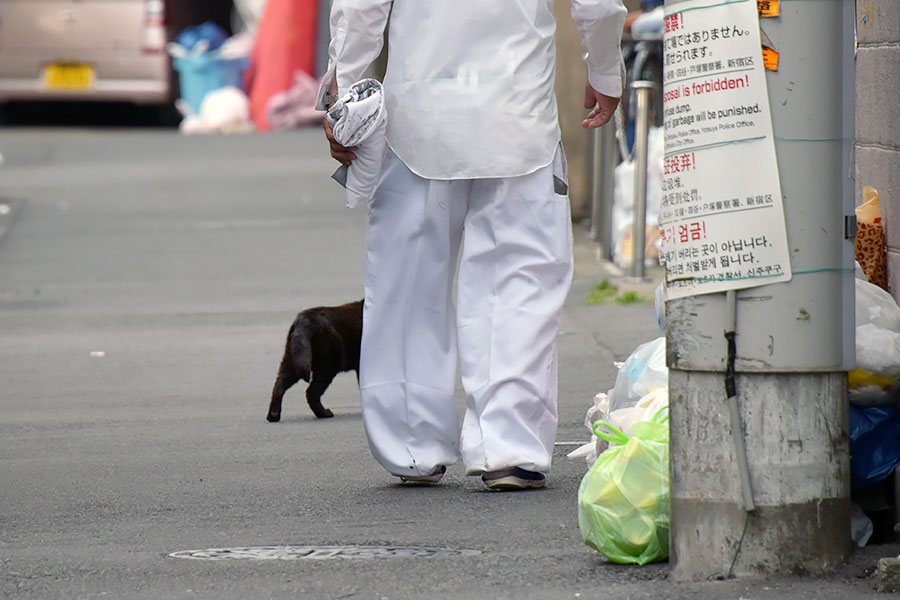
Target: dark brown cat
column 321, row 343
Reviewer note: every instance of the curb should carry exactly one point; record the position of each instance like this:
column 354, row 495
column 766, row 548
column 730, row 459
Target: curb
column 889, row 575
column 592, row 267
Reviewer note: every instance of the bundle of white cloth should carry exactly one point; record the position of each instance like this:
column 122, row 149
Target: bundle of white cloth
column 359, row 118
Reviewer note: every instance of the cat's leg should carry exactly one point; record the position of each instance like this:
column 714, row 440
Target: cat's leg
column 287, row 376
column 318, row 384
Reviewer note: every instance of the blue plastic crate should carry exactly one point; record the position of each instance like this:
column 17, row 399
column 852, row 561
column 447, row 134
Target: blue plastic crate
column 207, row 72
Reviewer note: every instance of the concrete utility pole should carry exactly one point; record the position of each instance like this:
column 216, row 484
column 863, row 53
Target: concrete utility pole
column 794, row 341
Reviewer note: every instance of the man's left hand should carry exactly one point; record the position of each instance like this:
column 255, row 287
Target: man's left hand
column 603, row 107
column 342, row 154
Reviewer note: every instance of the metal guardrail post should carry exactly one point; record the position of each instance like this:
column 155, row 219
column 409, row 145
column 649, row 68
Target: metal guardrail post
column 596, row 182
column 323, row 36
column 603, row 186
column 643, row 91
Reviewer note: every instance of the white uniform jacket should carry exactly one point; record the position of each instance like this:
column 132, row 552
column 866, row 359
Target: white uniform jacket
column 469, row 83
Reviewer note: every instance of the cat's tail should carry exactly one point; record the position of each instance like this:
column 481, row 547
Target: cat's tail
column 296, row 364
column 298, row 351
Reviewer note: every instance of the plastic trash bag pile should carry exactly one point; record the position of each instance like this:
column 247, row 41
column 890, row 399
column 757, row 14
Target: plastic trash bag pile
column 260, row 79
column 623, row 501
column 210, row 69
column 874, row 394
column 877, row 341
column 641, row 389
column 875, row 386
column 625, row 516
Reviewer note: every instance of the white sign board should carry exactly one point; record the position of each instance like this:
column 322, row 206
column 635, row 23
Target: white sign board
column 721, row 216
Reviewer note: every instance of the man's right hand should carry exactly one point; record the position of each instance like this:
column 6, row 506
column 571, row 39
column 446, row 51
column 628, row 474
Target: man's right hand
column 342, row 154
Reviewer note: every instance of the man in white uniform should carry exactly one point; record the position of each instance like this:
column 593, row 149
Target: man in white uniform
column 474, row 165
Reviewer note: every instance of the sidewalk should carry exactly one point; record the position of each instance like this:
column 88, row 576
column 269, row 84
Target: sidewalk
column 591, row 264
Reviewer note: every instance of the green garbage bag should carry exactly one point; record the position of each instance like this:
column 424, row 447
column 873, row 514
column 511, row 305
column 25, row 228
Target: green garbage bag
column 623, row 500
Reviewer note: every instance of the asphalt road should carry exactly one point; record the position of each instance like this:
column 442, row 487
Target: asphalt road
column 147, row 281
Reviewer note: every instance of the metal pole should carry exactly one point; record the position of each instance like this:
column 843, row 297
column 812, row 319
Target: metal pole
column 610, row 153
column 643, row 91
column 603, row 174
column 323, row 36
column 596, row 184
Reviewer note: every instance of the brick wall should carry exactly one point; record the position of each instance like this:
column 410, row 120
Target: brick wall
column 878, row 118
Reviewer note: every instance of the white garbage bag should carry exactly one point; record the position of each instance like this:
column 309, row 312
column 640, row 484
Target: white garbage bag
column 641, row 390
column 622, row 222
column 876, row 306
column 222, row 110
column 622, row 419
column 861, row 526
column 643, row 371
column 592, row 449
column 877, row 331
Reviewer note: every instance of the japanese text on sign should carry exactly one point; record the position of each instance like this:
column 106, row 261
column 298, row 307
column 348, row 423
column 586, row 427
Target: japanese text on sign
column 721, row 215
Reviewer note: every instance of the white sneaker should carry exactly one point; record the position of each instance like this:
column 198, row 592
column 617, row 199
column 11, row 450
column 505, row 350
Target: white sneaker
column 432, row 477
column 513, row 479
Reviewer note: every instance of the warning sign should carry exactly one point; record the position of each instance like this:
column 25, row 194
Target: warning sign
column 721, row 216
column 768, row 8
column 770, row 59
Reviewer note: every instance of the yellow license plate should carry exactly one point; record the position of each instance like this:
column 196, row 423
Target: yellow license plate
column 69, row 77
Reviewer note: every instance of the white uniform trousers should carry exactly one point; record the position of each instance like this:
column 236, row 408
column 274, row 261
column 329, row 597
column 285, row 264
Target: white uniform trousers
column 514, row 274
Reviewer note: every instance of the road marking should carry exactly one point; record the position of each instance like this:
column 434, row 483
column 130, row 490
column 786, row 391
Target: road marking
column 321, row 552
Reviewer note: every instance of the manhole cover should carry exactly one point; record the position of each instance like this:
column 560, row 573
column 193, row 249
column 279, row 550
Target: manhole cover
column 321, row 552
